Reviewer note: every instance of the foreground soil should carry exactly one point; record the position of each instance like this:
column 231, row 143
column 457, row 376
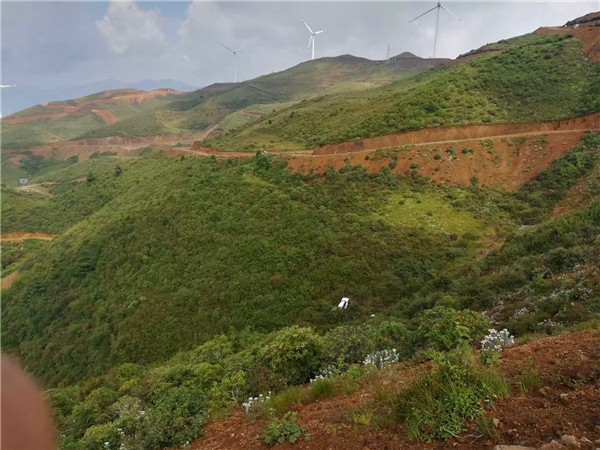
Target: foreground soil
column 567, row 404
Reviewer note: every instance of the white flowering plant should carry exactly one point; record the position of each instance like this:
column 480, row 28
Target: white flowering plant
column 382, row 358
column 328, row 372
column 493, row 344
column 254, row 403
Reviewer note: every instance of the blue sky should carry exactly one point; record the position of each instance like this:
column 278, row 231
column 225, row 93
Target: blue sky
column 74, row 43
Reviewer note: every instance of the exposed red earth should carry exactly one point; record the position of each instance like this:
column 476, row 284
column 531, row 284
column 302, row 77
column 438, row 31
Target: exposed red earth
column 503, row 156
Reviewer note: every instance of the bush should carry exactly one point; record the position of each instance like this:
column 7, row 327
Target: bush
column 347, row 344
column 437, row 405
column 294, row 353
column 105, row 436
column 445, row 329
column 176, row 417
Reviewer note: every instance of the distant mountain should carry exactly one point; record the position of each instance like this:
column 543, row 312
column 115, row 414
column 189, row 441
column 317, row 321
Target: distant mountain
column 21, row 97
column 220, row 107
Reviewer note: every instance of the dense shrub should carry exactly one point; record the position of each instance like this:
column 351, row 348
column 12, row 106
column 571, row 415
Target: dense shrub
column 445, row 329
column 294, row 353
column 348, row 344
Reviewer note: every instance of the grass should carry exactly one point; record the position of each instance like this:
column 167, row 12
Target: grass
column 431, row 211
column 322, row 388
column 438, row 405
column 531, row 381
column 287, row 399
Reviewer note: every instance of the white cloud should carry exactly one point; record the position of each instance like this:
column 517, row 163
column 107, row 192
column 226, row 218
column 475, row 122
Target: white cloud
column 128, row 29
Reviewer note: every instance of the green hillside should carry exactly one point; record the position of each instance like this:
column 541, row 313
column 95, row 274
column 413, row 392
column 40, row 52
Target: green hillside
column 206, row 107
column 534, row 78
column 174, row 279
column 178, row 287
column 79, row 118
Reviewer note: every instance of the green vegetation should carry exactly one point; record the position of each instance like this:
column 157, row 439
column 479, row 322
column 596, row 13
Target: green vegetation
column 179, row 287
column 200, row 110
column 539, row 78
column 285, row 429
column 45, row 130
column 438, row 405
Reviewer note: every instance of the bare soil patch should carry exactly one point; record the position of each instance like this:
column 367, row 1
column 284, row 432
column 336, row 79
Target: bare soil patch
column 20, row 237
column 108, row 117
column 8, row 280
column 120, row 146
column 580, row 195
column 32, row 118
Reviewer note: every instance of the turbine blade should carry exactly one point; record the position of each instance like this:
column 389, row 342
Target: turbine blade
column 319, row 32
column 448, row 11
column 307, row 26
column 310, row 40
column 241, row 48
column 426, row 12
column 226, row 47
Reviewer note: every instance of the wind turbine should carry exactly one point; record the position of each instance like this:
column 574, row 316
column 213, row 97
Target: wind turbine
column 312, row 38
column 437, row 19
column 233, row 52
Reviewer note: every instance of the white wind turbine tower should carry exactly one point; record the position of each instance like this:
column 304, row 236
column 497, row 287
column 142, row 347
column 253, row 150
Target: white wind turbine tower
column 437, row 19
column 312, row 38
column 234, row 53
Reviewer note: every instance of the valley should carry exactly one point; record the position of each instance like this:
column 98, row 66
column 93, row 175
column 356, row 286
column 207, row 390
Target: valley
column 172, row 263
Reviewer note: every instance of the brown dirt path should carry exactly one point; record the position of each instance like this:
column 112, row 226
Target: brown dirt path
column 20, row 237
column 569, row 366
column 8, row 280
column 38, row 188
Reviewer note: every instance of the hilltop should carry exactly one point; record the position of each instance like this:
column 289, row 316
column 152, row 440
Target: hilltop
column 544, row 76
column 165, row 111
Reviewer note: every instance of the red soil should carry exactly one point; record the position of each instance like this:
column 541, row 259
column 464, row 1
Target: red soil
column 568, row 404
column 503, row 156
column 587, row 33
column 20, row 237
column 32, row 118
column 80, row 108
column 111, row 145
column 108, row 117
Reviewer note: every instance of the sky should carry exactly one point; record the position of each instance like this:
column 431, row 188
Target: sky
column 50, row 44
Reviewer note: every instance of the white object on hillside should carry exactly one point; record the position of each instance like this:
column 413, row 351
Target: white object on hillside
column 344, row 303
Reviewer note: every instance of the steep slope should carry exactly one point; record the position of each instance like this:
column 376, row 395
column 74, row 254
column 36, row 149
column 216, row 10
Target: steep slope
column 533, row 78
